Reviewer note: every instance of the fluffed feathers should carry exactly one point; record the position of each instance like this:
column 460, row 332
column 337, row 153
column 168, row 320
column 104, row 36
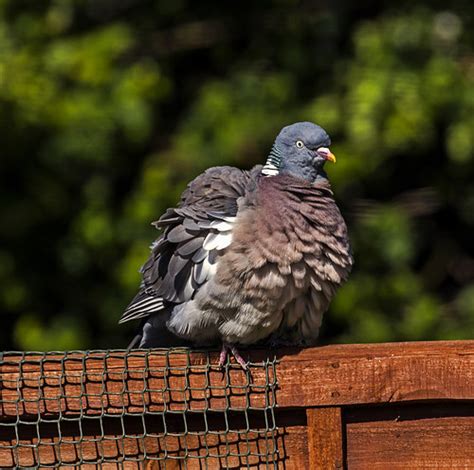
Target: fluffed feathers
column 247, row 255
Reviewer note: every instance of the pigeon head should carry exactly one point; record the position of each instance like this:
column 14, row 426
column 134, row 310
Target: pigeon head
column 300, row 150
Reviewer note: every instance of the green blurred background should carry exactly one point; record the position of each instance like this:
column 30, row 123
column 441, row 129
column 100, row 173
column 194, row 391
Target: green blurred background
column 109, row 107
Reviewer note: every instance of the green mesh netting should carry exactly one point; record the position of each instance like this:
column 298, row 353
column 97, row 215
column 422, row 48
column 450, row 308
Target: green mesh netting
column 163, row 408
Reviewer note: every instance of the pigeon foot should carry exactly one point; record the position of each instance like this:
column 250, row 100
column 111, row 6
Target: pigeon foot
column 226, row 347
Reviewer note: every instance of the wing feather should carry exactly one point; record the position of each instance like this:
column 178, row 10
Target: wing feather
column 195, row 234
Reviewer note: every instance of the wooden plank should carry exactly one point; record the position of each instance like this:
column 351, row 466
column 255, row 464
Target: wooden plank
column 325, row 438
column 235, row 448
column 151, row 381
column 419, row 436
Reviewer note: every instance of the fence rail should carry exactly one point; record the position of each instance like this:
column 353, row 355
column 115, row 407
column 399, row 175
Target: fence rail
column 378, row 406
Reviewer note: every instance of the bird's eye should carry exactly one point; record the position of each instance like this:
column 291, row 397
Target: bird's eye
column 299, row 144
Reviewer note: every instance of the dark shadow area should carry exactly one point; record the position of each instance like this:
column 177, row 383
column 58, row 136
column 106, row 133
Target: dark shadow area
column 409, row 411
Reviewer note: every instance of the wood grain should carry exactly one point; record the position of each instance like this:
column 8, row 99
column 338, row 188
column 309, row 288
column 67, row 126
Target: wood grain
column 430, row 436
column 325, row 438
column 404, row 405
column 177, row 449
column 325, row 376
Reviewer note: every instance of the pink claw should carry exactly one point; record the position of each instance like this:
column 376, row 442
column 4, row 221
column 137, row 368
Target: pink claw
column 223, row 355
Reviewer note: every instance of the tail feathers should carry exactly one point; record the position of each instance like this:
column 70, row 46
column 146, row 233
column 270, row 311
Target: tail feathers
column 135, row 343
column 142, row 306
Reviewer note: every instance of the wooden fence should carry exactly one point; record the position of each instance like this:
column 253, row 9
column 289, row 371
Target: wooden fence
column 374, row 406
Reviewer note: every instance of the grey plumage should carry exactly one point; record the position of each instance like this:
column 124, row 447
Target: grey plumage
column 248, row 255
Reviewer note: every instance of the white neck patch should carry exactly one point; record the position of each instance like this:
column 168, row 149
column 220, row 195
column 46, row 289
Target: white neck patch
column 272, row 165
column 270, row 169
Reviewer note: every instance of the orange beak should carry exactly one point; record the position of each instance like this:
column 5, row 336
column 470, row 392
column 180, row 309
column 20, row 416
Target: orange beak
column 326, row 153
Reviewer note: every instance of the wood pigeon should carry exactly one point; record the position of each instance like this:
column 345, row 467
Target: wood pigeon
column 247, row 256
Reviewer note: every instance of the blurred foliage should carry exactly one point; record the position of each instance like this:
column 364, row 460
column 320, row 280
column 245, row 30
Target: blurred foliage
column 108, row 108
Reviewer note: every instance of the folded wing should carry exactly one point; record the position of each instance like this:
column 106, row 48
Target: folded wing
column 195, row 234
